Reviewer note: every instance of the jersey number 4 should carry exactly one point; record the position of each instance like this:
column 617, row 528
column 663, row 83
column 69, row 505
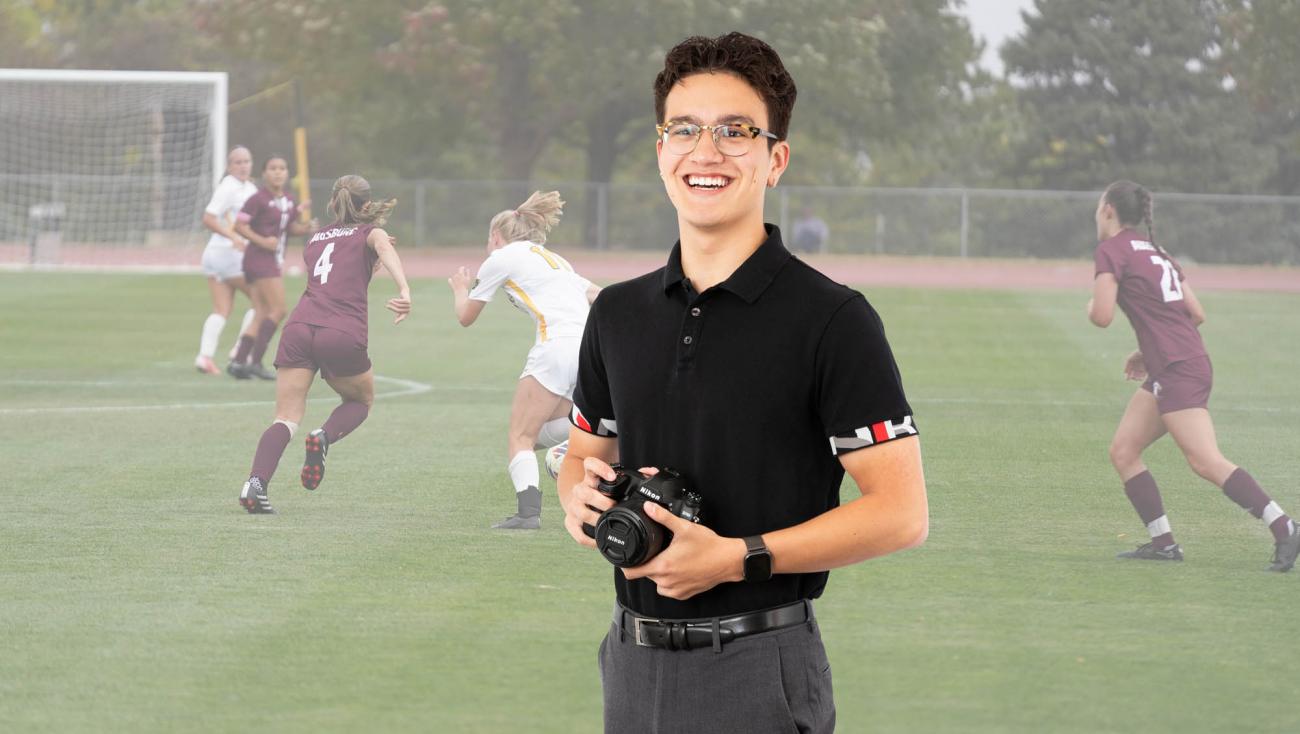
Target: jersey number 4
column 1170, row 287
column 324, row 266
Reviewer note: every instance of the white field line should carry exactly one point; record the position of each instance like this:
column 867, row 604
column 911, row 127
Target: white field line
column 405, row 387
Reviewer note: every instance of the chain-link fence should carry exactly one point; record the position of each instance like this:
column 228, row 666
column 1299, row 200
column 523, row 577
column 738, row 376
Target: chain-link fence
column 629, row 216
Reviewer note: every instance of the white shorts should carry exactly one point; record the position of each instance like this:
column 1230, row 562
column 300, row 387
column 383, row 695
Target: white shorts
column 554, row 363
column 223, row 262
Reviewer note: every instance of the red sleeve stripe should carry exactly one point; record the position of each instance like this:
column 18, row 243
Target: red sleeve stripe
column 604, row 426
column 873, row 434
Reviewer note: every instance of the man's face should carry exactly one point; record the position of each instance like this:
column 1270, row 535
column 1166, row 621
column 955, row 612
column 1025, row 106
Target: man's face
column 692, row 179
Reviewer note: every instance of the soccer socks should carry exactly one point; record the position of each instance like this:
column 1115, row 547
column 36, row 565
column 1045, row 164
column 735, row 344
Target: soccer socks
column 1145, row 496
column 212, row 327
column 1241, row 487
column 244, row 350
column 269, row 450
column 526, row 477
column 264, row 333
column 553, row 433
column 344, row 420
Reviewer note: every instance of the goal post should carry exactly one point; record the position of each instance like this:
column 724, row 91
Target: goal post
column 108, row 169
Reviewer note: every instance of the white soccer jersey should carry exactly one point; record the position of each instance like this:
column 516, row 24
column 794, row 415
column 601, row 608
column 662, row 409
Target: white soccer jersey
column 541, row 284
column 226, row 202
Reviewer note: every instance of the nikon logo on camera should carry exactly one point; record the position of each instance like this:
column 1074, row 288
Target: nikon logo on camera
column 649, row 493
column 612, row 539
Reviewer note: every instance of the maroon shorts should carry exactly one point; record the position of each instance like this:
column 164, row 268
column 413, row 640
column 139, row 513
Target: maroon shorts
column 335, row 353
column 1182, row 385
column 258, row 265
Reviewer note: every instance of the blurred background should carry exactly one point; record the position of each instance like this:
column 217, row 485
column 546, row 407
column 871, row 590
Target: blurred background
column 925, row 127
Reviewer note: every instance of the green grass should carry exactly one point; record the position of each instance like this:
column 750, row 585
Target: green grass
column 135, row 595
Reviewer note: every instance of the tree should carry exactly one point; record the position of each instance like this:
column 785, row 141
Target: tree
column 1135, row 90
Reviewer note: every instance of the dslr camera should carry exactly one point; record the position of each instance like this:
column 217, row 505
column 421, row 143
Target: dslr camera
column 624, row 535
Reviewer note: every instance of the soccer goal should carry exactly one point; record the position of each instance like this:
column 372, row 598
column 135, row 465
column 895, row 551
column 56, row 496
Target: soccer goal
column 107, row 169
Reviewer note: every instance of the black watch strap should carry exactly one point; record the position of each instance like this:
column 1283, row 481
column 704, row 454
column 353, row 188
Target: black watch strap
column 758, row 559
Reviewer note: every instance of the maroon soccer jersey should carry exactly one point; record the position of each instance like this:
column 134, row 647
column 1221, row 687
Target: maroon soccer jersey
column 1151, row 295
column 267, row 215
column 339, row 265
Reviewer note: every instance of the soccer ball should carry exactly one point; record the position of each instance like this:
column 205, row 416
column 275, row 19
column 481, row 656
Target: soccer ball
column 555, row 457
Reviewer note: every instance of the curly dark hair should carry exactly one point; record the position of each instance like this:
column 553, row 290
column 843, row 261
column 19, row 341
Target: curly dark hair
column 745, row 56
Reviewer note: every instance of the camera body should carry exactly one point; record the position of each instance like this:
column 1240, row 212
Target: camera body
column 624, row 534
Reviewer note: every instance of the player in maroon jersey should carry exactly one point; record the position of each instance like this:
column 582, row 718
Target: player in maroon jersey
column 1135, row 272
column 266, row 221
column 328, row 331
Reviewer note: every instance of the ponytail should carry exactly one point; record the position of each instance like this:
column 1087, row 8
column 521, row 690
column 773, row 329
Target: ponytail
column 531, row 220
column 1134, row 206
column 350, row 203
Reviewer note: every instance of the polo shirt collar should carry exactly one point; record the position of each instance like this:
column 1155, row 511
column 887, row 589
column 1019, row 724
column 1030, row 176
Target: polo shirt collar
column 751, row 278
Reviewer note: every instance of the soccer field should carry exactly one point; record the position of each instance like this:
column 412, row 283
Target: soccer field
column 136, row 595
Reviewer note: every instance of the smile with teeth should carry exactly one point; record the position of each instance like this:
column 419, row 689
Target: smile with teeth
column 708, row 183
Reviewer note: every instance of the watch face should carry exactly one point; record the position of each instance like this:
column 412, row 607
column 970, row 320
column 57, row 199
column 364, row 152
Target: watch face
column 758, row 566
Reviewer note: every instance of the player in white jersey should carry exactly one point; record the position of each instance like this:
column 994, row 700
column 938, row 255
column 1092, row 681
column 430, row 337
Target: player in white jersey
column 543, row 285
column 224, row 256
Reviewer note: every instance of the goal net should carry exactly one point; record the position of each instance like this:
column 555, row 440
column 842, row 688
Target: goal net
column 105, row 168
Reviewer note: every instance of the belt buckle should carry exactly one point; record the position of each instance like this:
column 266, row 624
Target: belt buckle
column 636, row 630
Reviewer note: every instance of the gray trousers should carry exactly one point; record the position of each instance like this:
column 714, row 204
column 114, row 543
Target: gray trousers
column 777, row 681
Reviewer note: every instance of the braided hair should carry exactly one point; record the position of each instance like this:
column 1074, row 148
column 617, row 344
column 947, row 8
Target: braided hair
column 1133, row 205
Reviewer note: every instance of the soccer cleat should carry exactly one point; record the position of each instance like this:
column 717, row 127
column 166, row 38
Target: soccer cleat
column 313, row 467
column 206, row 366
column 260, row 372
column 1285, row 552
column 237, row 371
column 518, row 522
column 1149, row 552
column 253, row 498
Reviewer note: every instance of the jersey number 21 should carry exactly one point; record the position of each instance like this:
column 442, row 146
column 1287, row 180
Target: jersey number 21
column 1170, row 287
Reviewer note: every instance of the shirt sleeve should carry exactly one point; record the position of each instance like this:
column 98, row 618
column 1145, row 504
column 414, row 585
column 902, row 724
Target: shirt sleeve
column 860, row 400
column 220, row 200
column 250, row 208
column 593, row 406
column 1108, row 261
column 491, row 275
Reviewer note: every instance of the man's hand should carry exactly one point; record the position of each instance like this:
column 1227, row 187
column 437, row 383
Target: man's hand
column 696, row 560
column 585, row 501
column 1135, row 368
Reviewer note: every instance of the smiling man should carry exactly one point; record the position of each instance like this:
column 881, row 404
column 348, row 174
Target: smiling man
column 762, row 382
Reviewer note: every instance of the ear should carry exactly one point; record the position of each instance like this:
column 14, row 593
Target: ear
column 779, row 158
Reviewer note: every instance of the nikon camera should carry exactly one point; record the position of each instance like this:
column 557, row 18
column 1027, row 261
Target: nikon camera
column 624, row 535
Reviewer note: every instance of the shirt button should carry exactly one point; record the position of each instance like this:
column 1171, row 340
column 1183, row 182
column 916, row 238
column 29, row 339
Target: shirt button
column 686, row 340
column 695, row 311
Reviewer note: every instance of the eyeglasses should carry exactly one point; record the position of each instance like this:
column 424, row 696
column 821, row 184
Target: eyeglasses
column 681, row 138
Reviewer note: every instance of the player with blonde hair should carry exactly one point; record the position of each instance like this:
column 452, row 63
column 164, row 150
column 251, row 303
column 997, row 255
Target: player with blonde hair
column 543, row 285
column 223, row 258
column 328, row 331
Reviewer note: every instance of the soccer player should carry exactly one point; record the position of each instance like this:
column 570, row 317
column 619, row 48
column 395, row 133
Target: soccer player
column 1171, row 361
column 268, row 218
column 328, row 332
column 543, row 285
column 223, row 258
column 762, row 382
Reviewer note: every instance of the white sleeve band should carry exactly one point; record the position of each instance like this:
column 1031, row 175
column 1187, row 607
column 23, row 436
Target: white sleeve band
column 293, row 427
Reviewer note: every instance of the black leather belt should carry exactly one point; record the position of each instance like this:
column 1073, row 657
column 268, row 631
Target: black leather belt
column 692, row 634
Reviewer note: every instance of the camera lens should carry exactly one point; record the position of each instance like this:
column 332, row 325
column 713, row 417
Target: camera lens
column 625, row 537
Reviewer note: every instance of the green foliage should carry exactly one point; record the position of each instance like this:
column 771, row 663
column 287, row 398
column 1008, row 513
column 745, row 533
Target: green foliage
column 1131, row 90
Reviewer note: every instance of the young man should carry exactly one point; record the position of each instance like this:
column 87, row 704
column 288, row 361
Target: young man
column 761, row 382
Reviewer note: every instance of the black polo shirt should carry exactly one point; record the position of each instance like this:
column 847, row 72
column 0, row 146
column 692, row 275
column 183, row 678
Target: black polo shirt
column 749, row 389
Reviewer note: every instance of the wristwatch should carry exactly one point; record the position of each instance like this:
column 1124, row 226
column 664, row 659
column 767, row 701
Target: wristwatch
column 758, row 559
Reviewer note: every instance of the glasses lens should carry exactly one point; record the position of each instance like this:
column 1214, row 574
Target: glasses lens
column 680, row 137
column 732, row 140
